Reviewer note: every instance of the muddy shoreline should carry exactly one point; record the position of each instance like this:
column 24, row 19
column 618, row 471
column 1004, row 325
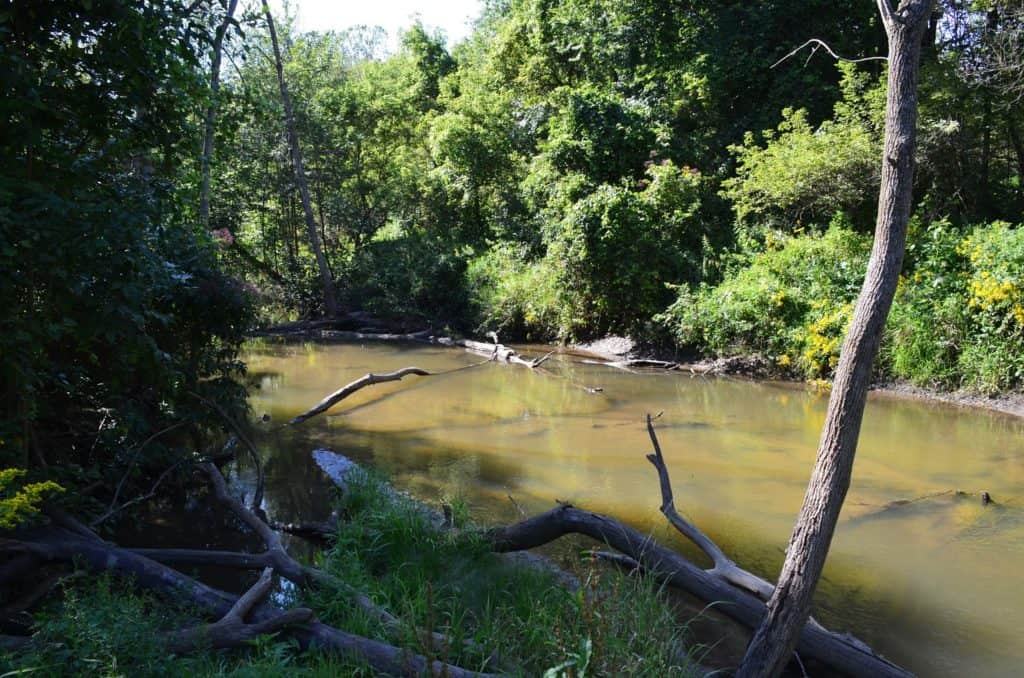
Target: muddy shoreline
column 758, row 368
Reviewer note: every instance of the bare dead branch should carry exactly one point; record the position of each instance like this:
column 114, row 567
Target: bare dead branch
column 134, row 457
column 257, row 497
column 360, row 383
column 822, row 44
column 232, row 630
column 850, row 657
column 277, row 557
column 56, row 544
column 723, row 566
column 114, row 510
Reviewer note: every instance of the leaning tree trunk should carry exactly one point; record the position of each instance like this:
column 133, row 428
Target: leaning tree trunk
column 327, row 280
column 790, row 604
column 211, row 114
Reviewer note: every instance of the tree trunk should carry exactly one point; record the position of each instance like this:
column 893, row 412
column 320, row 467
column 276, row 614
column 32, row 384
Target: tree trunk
column 330, row 301
column 790, row 604
column 1018, row 150
column 211, row 115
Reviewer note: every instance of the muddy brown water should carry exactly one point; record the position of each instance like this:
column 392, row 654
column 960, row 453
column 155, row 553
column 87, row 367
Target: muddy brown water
column 920, row 568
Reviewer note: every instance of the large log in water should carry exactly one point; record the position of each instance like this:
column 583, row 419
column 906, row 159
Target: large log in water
column 840, row 652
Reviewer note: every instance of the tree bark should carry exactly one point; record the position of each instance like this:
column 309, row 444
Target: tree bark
column 790, row 604
column 327, row 280
column 211, row 114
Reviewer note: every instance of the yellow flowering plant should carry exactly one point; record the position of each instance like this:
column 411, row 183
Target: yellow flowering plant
column 19, row 504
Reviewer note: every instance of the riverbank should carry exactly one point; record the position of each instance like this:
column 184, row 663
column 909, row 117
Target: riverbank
column 618, row 348
column 487, row 613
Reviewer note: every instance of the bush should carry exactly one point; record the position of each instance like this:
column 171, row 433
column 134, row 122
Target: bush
column 958, row 320
column 801, row 175
column 616, row 249
column 408, row 272
column 514, row 297
column 790, row 303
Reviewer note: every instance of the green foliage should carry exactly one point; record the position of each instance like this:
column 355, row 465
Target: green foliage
column 408, row 273
column 113, row 306
column 616, row 248
column 789, row 303
column 958, row 320
column 18, row 505
column 101, row 627
column 802, row 174
column 514, row 296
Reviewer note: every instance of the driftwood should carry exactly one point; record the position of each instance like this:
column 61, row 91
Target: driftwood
column 723, row 566
column 360, row 383
column 838, row 651
column 740, row 593
column 634, row 363
column 232, row 630
column 494, row 352
column 277, row 557
column 59, row 544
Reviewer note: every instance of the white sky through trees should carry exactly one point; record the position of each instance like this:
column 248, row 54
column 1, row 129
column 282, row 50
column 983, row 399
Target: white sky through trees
column 451, row 16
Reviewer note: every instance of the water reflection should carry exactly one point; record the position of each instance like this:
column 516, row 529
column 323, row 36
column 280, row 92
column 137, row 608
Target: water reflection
column 931, row 583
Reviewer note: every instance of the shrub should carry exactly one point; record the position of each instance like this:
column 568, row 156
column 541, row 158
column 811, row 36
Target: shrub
column 959, row 316
column 616, row 248
column 513, row 296
column 790, row 302
column 802, row 174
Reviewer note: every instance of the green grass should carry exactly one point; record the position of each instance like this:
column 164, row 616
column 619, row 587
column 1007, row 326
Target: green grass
column 448, row 581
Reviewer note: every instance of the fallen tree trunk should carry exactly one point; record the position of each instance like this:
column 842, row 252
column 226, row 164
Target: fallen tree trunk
column 840, row 652
column 232, row 630
column 57, row 544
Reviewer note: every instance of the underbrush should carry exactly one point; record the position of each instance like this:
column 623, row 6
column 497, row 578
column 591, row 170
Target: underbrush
column 790, row 303
column 957, row 320
column 430, row 578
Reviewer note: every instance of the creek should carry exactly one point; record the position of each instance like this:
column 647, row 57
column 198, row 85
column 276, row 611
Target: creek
column 920, row 568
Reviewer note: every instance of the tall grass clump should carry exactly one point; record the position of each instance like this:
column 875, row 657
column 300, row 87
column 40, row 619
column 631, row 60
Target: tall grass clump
column 450, row 581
